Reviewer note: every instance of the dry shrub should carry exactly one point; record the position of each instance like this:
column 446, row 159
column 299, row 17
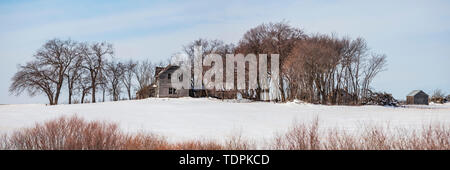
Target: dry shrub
column 145, row 141
column 341, row 140
column 72, row 133
column 4, row 144
column 237, row 142
column 434, row 136
column 197, row 145
column 234, row 142
column 300, row 136
column 375, row 138
column 75, row 133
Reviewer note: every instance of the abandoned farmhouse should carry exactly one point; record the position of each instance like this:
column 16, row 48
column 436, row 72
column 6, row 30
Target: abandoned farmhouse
column 162, row 87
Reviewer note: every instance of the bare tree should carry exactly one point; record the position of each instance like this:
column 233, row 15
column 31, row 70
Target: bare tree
column 103, row 83
column 437, row 93
column 144, row 72
column 374, row 65
column 94, row 58
column 311, row 66
column 35, row 80
column 272, row 38
column 83, row 84
column 128, row 76
column 438, row 96
column 114, row 72
column 47, row 72
column 207, row 47
column 74, row 70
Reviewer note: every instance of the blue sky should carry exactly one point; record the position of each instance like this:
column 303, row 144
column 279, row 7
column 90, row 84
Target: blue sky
column 415, row 35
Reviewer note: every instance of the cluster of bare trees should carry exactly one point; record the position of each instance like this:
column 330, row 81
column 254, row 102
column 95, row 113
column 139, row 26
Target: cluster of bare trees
column 317, row 68
column 438, row 96
column 327, row 69
column 84, row 68
column 207, row 47
column 272, row 38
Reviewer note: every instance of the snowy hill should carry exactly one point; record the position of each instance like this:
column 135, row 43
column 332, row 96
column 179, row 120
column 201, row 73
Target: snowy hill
column 188, row 118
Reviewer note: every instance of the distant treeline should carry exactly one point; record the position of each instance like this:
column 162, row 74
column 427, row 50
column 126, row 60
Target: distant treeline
column 317, row 68
column 83, row 68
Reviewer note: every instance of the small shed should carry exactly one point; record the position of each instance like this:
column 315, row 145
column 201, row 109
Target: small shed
column 417, row 97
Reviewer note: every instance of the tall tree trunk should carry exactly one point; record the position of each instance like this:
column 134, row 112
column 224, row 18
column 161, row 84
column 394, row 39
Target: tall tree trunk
column 129, row 93
column 283, row 98
column 70, row 87
column 103, row 93
column 50, row 99
column 70, row 96
column 93, row 91
column 83, row 94
column 59, row 86
column 258, row 94
column 58, row 90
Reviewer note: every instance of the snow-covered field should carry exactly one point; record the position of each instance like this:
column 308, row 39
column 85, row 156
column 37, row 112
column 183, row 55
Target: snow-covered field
column 189, row 118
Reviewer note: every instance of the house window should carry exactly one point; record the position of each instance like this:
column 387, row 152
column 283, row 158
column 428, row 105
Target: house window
column 169, row 76
column 172, row 90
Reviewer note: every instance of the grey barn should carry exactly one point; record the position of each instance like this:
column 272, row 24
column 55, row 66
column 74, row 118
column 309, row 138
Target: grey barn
column 417, row 97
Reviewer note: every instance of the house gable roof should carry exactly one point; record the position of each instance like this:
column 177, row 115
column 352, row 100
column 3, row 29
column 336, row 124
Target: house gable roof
column 415, row 92
column 165, row 69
